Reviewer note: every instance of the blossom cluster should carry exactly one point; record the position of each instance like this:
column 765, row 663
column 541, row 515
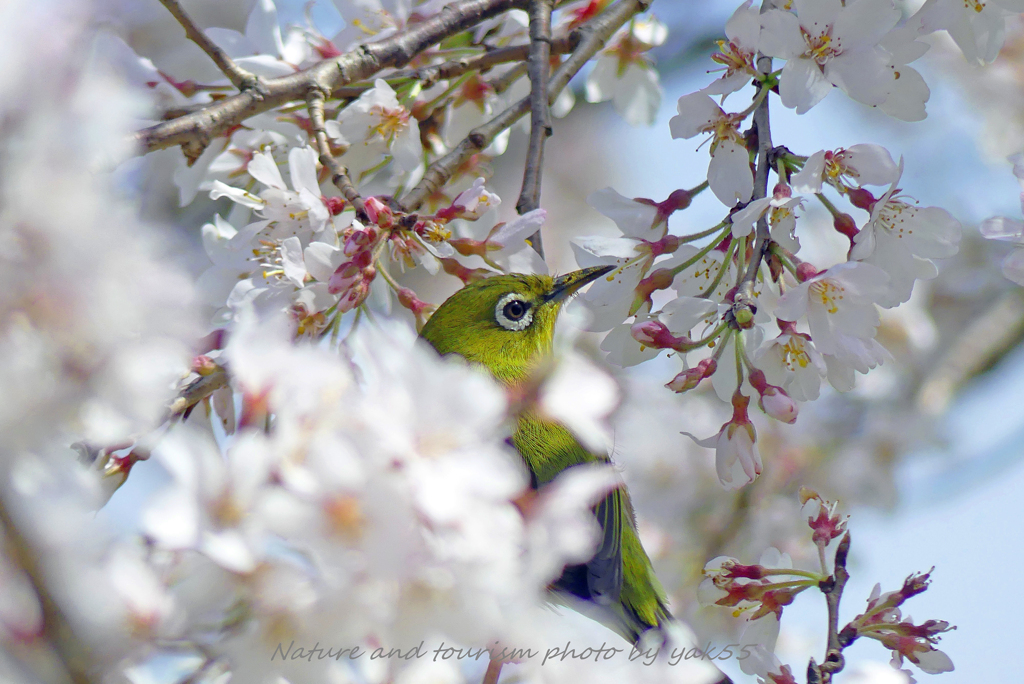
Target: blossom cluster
column 714, row 305
column 761, row 591
column 343, row 484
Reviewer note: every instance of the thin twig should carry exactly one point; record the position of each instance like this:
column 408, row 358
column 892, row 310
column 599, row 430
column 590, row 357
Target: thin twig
column 745, row 293
column 833, row 590
column 540, row 117
column 593, row 35
column 429, row 75
column 193, row 132
column 197, row 390
column 239, row 77
column 72, row 655
column 339, row 174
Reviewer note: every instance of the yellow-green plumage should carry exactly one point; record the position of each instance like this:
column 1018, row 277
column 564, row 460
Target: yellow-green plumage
column 618, row 581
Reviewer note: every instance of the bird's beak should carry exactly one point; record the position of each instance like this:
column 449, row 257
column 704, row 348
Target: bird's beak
column 571, row 283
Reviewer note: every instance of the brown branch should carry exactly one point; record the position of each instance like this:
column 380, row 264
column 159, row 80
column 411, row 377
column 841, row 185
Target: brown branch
column 197, row 390
column 239, row 77
column 71, row 655
column 505, row 81
column 193, row 132
column 339, row 174
column 762, row 126
column 591, row 37
column 429, row 75
column 540, row 116
column 833, row 590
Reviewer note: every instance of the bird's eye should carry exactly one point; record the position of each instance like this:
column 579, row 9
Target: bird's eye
column 513, row 312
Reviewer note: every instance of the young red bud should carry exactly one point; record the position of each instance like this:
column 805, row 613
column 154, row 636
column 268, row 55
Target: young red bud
column 845, row 224
column 691, row 377
column 861, row 198
column 805, row 272
column 379, row 213
column 335, row 205
column 655, row 334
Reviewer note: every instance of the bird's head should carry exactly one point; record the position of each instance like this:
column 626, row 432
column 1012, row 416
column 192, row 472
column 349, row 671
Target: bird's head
column 505, row 322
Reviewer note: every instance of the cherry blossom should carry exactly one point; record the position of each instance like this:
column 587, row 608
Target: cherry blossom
column 792, row 362
column 729, row 173
column 624, row 73
column 300, row 212
column 978, row 27
column 846, row 168
column 375, row 127
column 828, row 44
column 902, row 239
column 781, row 211
column 262, row 50
column 737, row 53
column 1010, row 230
column 839, row 305
column 737, row 460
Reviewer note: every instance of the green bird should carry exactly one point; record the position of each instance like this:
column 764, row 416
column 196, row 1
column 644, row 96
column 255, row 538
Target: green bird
column 507, row 324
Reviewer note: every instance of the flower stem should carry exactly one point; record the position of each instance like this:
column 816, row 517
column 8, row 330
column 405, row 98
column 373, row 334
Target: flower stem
column 702, row 253
column 706, row 293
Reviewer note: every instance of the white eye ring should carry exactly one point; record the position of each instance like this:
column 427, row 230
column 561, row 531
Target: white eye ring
column 509, row 322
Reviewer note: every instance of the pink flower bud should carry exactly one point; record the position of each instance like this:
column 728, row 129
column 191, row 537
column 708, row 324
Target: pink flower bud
column 844, row 223
column 777, row 404
column 360, row 238
column 861, row 198
column 379, row 213
column 655, row 334
column 805, row 272
column 774, row 401
column 691, row 377
column 335, row 205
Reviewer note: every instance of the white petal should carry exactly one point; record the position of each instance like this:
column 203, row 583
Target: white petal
column 744, row 26
column 263, row 30
column 600, row 85
column 407, row 148
column 291, row 259
column 231, row 41
column 638, row 95
column 619, row 248
column 817, row 15
column 322, row 260
column 802, row 85
column 634, row 219
column 934, row 661
column 729, row 173
column 793, row 304
column 864, row 76
column 302, row 167
column 807, row 181
column 780, row 35
column 685, row 313
column 519, row 228
column 744, row 219
column 1002, row 228
column 697, row 112
column 862, row 24
column 263, row 168
column 238, row 195
column 873, row 163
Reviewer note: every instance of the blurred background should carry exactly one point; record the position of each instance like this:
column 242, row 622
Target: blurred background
column 925, row 455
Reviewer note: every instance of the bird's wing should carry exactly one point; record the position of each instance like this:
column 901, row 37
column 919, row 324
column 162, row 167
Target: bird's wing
column 604, row 570
column 548, row 449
